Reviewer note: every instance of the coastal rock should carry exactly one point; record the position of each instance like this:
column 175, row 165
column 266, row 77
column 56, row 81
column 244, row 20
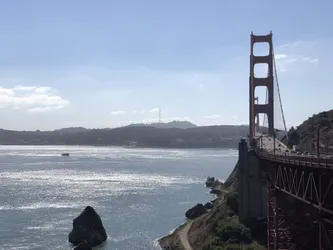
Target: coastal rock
column 215, row 200
column 215, row 191
column 195, row 211
column 83, row 246
column 210, row 181
column 88, row 227
column 208, row 205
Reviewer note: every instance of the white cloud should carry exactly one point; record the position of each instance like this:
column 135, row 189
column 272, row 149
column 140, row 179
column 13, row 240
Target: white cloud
column 33, row 98
column 44, row 109
column 79, row 123
column 310, row 60
column 290, row 54
column 283, row 62
column 142, row 111
column 176, row 118
column 145, row 111
column 165, row 119
column 280, row 56
column 154, row 110
column 298, row 45
column 31, row 89
column 119, row 123
column 288, row 45
column 213, row 117
column 118, row 112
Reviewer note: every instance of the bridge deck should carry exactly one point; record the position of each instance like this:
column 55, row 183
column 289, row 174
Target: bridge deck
column 298, row 160
column 283, row 155
column 268, row 144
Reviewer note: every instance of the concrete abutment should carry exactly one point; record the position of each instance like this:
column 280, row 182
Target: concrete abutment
column 252, row 184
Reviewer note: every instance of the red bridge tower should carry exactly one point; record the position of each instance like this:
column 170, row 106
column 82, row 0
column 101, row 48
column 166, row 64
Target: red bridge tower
column 268, row 82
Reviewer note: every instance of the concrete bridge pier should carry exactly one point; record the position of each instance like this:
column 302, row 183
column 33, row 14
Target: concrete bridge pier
column 252, row 184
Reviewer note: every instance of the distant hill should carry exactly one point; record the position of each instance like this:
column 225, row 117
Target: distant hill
column 173, row 124
column 226, row 136
column 71, row 130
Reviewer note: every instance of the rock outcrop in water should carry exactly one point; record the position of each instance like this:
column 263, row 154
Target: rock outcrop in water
column 210, row 181
column 208, row 205
column 195, row 211
column 88, row 227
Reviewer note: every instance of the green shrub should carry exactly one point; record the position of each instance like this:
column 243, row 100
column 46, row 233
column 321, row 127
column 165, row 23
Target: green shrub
column 231, row 231
column 232, row 201
column 246, row 234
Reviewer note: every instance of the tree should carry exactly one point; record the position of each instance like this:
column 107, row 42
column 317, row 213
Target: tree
column 293, row 137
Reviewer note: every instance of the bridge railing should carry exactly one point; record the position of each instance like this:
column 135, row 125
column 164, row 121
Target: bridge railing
column 299, row 160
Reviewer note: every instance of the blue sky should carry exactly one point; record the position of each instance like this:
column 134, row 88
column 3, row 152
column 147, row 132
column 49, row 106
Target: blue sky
column 110, row 63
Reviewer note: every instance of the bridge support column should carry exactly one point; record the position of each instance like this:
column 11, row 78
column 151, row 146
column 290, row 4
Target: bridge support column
column 252, row 185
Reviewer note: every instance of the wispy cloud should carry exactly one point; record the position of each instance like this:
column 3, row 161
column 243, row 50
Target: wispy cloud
column 310, row 59
column 298, row 45
column 213, row 117
column 44, row 109
column 283, row 62
column 290, row 54
column 142, row 111
column 145, row 111
column 76, row 123
column 177, row 118
column 118, row 112
column 280, row 56
column 119, row 123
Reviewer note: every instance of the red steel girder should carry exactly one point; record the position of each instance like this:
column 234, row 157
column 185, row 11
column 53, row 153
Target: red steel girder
column 280, row 222
column 300, row 207
column 306, row 185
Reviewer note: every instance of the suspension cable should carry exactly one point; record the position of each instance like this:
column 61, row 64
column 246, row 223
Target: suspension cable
column 279, row 94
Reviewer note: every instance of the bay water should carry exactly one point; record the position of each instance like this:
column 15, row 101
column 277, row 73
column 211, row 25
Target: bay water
column 140, row 194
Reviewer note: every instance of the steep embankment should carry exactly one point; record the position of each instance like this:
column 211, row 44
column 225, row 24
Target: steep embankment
column 306, row 133
column 219, row 228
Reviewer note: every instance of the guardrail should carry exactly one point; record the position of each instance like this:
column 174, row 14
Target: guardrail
column 299, row 160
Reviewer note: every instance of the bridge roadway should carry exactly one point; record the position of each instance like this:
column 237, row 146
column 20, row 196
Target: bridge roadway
column 283, row 155
column 268, row 144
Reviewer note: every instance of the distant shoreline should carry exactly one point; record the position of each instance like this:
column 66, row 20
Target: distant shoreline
column 120, row 146
column 141, row 137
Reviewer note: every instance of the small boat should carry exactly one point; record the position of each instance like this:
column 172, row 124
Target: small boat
column 65, row 154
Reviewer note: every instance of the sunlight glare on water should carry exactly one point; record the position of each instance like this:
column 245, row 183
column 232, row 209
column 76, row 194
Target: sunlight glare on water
column 141, row 194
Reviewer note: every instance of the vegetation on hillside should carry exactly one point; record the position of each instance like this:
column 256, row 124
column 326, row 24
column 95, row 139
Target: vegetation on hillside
column 221, row 229
column 173, row 124
column 306, row 133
